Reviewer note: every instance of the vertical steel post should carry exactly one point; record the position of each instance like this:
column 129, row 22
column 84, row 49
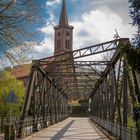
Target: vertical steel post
column 125, row 94
column 34, row 97
column 51, row 104
column 112, row 92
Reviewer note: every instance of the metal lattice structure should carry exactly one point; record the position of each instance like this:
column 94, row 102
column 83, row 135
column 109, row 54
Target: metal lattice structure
column 98, row 72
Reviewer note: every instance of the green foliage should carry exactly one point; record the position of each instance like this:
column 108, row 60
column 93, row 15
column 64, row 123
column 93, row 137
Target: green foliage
column 80, row 111
column 73, row 103
column 134, row 11
column 135, row 15
column 83, row 101
column 132, row 87
column 131, row 123
column 132, row 58
column 79, row 108
column 8, row 82
column 136, row 110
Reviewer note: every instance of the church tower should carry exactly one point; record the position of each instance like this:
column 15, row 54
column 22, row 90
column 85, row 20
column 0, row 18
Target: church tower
column 63, row 41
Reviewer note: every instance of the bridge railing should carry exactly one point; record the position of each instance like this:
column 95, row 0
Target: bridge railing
column 118, row 130
column 6, row 120
column 28, row 124
column 41, row 123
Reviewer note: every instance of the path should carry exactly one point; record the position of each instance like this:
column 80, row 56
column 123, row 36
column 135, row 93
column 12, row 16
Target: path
column 70, row 129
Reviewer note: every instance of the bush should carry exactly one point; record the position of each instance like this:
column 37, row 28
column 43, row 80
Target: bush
column 79, row 111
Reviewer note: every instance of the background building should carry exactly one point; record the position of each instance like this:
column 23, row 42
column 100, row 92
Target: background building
column 21, row 72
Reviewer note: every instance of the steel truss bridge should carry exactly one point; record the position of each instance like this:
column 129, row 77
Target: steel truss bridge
column 100, row 72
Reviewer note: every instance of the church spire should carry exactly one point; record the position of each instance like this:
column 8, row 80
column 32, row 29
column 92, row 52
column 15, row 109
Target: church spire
column 63, row 17
column 63, row 33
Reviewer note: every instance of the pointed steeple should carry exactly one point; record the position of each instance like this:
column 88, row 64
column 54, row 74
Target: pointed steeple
column 63, row 33
column 63, row 17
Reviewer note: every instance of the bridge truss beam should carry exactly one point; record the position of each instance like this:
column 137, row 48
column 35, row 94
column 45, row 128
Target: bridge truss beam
column 99, row 72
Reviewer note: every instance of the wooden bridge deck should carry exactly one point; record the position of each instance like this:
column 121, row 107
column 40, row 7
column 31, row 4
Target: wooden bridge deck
column 70, row 129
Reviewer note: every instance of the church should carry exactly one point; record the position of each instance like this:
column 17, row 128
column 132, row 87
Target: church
column 63, row 42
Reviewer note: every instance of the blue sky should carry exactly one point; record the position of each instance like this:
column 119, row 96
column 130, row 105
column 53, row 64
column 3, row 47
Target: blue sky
column 94, row 22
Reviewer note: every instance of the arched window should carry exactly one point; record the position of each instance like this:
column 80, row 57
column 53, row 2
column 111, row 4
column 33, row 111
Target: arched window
column 67, row 33
column 58, row 33
column 58, row 44
column 67, row 44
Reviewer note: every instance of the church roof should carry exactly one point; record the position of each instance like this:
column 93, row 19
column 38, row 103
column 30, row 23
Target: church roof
column 21, row 71
column 63, row 16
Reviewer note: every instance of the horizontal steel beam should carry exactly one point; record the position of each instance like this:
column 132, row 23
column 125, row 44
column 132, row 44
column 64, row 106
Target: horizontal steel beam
column 91, row 50
column 113, row 60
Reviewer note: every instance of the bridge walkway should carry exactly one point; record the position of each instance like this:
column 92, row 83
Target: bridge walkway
column 73, row 128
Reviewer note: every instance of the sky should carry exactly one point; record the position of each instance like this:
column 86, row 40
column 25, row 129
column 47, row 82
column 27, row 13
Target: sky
column 94, row 22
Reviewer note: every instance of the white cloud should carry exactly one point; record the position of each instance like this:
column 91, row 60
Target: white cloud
column 52, row 2
column 46, row 47
column 94, row 27
column 50, row 5
column 99, row 26
column 49, row 39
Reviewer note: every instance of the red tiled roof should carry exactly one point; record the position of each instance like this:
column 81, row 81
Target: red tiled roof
column 21, row 71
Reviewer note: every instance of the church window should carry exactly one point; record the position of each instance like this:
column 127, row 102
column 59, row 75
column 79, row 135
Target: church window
column 67, row 44
column 58, row 34
column 67, row 33
column 58, row 44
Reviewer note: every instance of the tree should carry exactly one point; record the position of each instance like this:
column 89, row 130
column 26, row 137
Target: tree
column 135, row 15
column 17, row 18
column 133, row 56
column 8, row 82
